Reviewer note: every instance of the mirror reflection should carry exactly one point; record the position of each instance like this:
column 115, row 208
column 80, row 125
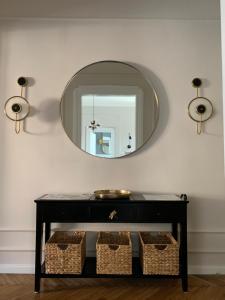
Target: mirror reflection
column 109, row 109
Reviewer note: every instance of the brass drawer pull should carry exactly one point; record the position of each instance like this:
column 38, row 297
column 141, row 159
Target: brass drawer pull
column 112, row 214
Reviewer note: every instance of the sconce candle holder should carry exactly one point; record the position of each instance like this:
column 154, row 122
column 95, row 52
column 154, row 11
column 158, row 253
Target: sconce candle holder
column 200, row 109
column 17, row 108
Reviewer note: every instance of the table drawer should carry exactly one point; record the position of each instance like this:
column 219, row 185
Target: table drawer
column 113, row 213
column 65, row 213
column 160, row 213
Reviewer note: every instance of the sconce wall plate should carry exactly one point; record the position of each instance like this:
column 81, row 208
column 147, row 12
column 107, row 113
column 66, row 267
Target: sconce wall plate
column 17, row 105
column 200, row 109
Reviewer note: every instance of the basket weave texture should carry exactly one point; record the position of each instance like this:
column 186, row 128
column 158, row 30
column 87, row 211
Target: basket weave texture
column 65, row 252
column 159, row 253
column 114, row 253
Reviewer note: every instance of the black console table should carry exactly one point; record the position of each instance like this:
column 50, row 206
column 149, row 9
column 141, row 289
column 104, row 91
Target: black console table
column 139, row 209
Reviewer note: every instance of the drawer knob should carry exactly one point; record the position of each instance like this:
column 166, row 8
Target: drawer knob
column 112, row 215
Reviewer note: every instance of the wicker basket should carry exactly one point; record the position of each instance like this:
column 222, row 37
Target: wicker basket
column 65, row 253
column 114, row 253
column 159, row 254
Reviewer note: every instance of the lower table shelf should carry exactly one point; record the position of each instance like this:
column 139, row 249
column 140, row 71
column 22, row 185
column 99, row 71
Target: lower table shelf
column 89, row 271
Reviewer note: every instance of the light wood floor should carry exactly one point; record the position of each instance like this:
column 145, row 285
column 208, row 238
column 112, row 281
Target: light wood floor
column 20, row 287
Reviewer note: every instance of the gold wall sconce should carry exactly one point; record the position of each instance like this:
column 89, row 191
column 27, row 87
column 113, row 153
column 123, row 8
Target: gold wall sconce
column 17, row 108
column 200, row 109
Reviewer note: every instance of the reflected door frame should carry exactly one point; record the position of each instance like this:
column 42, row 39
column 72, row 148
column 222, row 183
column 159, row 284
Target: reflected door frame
column 114, row 90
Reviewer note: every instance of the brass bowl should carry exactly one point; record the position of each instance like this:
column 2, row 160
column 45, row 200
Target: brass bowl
column 112, row 194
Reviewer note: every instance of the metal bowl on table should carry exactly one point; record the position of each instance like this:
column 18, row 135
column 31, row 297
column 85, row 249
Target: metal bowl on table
column 112, row 194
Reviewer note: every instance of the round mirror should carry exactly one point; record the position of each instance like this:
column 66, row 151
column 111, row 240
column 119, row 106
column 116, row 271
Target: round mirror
column 108, row 109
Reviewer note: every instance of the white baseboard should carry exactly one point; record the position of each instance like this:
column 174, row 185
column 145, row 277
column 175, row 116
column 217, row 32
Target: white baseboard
column 16, row 269
column 29, row 269
column 204, row 270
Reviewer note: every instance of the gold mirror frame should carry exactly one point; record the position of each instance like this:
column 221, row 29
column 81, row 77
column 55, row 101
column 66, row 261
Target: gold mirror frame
column 149, row 83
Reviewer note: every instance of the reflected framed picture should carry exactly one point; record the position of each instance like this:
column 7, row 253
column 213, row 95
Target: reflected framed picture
column 101, row 141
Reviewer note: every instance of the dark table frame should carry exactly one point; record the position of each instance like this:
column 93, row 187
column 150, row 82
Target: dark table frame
column 96, row 211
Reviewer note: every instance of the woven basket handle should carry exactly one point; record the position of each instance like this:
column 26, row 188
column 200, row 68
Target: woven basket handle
column 113, row 247
column 62, row 247
column 160, row 247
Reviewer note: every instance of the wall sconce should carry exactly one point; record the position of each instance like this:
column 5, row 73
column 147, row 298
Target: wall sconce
column 200, row 109
column 17, row 108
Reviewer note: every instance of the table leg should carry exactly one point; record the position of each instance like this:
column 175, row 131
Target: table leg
column 174, row 230
column 38, row 252
column 183, row 255
column 47, row 231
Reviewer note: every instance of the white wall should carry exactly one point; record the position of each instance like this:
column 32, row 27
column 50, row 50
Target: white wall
column 176, row 159
column 222, row 8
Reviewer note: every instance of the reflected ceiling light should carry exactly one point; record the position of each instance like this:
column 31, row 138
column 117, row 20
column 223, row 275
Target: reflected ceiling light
column 93, row 125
